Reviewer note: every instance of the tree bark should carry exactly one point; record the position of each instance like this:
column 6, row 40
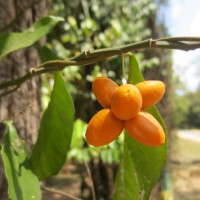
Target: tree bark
column 23, row 105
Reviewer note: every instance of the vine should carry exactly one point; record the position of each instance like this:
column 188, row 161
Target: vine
column 89, row 57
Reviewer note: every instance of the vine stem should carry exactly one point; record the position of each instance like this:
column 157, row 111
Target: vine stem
column 184, row 43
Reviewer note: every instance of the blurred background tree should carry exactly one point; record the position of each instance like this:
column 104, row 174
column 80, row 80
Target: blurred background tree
column 91, row 24
column 187, row 110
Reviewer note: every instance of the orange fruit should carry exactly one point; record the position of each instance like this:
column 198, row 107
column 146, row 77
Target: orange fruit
column 126, row 102
column 145, row 129
column 103, row 89
column 151, row 91
column 103, row 128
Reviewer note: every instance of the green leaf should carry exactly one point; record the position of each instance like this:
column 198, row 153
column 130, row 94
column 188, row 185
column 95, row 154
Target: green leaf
column 47, row 54
column 134, row 75
column 141, row 165
column 22, row 182
column 10, row 42
column 55, row 133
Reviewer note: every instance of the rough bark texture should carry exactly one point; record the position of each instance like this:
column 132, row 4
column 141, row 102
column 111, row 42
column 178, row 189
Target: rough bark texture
column 22, row 106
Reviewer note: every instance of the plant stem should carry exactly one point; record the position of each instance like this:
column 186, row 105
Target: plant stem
column 90, row 177
column 89, row 57
column 53, row 190
column 123, row 67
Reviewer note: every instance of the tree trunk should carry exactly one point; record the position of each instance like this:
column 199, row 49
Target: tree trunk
column 23, row 105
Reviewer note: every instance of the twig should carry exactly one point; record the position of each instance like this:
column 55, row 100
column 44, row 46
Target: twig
column 89, row 57
column 55, row 191
column 90, row 177
column 9, row 91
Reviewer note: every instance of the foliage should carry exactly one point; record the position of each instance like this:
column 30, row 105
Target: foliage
column 187, row 109
column 10, row 42
column 44, row 162
column 93, row 25
column 193, row 115
column 22, row 183
column 180, row 104
column 55, row 133
column 49, row 152
column 54, row 139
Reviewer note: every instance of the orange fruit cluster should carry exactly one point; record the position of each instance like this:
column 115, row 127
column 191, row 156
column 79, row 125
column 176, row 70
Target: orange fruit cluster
column 124, row 108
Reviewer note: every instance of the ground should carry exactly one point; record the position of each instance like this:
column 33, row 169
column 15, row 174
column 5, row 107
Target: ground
column 185, row 165
column 68, row 181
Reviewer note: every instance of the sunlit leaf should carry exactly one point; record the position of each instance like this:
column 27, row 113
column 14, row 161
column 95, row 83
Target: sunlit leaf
column 22, row 182
column 55, row 132
column 78, row 132
column 141, row 165
column 10, row 42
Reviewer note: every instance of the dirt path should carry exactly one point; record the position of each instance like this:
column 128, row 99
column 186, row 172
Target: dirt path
column 67, row 181
column 185, row 165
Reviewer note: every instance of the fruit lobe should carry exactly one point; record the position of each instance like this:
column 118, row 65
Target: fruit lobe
column 103, row 89
column 151, row 91
column 126, row 102
column 145, row 129
column 103, row 128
